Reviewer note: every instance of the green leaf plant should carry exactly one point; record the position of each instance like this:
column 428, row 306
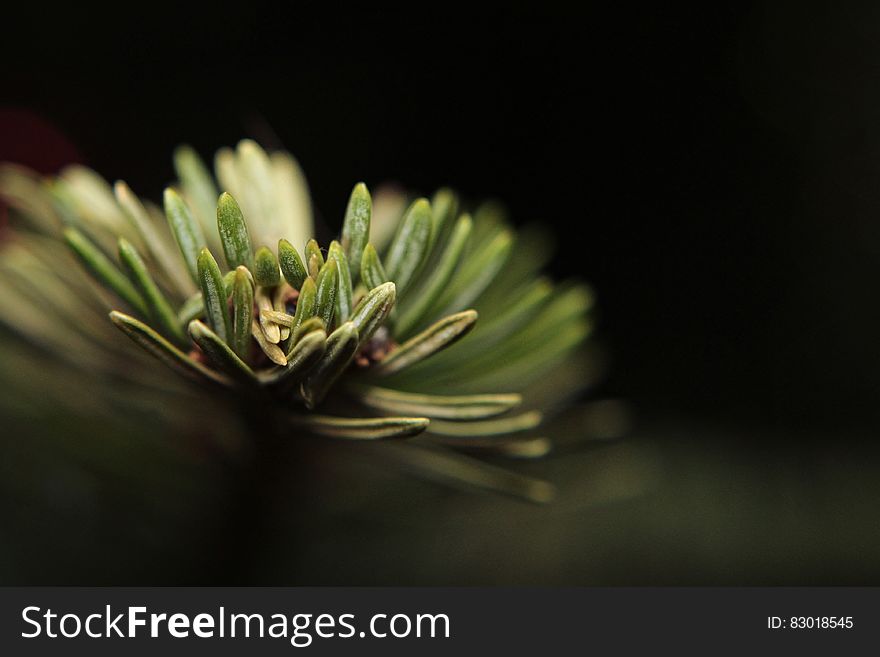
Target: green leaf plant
column 429, row 324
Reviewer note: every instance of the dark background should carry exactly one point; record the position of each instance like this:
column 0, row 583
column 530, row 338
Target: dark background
column 712, row 170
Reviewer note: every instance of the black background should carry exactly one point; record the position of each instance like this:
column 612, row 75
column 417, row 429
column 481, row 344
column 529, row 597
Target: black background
column 713, row 170
column 709, row 169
